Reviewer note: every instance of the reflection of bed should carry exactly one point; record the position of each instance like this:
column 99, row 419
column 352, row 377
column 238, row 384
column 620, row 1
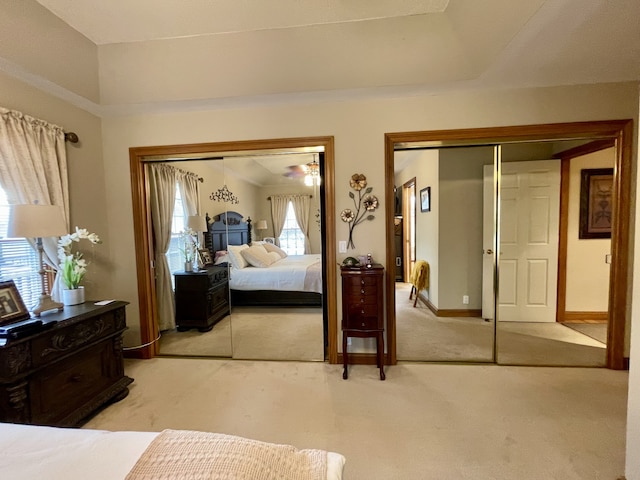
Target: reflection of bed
column 292, row 281
column 28, row 452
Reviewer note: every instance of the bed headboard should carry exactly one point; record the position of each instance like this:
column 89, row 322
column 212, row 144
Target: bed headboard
column 227, row 229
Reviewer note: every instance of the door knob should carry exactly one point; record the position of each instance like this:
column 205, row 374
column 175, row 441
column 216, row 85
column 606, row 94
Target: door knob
column 489, row 252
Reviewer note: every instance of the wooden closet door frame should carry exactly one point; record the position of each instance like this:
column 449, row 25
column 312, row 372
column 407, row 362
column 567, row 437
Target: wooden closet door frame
column 620, row 131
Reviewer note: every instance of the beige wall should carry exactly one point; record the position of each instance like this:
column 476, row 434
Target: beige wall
column 587, row 272
column 461, row 187
column 358, row 128
column 423, row 166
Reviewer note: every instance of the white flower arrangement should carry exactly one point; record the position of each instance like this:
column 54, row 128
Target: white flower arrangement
column 188, row 244
column 73, row 266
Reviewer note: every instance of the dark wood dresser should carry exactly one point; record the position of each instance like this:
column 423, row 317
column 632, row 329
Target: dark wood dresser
column 363, row 309
column 202, row 298
column 67, row 369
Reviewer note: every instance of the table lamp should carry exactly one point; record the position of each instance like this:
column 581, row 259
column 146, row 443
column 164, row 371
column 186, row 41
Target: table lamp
column 261, row 225
column 38, row 221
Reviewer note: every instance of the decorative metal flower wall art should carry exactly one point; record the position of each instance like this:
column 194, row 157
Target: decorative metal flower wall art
column 224, row 195
column 363, row 204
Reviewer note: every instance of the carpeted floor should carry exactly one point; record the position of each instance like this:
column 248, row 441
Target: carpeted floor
column 421, row 336
column 254, row 333
column 597, row 331
column 425, row 421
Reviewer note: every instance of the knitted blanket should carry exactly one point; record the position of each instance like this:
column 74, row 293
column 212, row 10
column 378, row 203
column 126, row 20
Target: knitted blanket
column 182, row 454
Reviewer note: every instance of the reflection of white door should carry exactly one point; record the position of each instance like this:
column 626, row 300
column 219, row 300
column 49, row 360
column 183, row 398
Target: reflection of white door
column 529, row 222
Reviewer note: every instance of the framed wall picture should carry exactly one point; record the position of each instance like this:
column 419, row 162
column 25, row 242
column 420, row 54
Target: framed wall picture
column 596, row 191
column 425, row 199
column 12, row 307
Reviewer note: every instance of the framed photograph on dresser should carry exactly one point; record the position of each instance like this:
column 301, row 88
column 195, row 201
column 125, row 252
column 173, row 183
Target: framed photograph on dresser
column 205, row 257
column 12, row 307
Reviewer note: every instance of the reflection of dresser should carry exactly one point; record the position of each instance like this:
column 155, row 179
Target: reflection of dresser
column 202, row 298
column 66, row 370
column 363, row 309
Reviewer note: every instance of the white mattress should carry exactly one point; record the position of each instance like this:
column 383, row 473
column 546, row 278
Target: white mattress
column 30, row 452
column 295, row 273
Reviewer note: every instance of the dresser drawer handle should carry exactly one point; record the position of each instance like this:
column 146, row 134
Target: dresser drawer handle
column 362, row 311
column 362, row 300
column 362, row 291
column 363, row 324
column 76, row 378
column 362, row 282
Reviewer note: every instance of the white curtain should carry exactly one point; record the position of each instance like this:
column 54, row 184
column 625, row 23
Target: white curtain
column 190, row 193
column 279, row 204
column 301, row 204
column 33, row 168
column 162, row 193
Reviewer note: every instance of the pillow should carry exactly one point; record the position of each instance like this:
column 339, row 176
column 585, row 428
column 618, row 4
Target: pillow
column 258, row 242
column 275, row 255
column 237, row 260
column 221, row 256
column 274, row 248
column 257, row 256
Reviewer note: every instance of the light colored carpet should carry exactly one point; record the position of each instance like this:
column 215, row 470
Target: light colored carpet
column 254, row 333
column 426, row 421
column 277, row 333
column 421, row 336
column 597, row 331
column 214, row 343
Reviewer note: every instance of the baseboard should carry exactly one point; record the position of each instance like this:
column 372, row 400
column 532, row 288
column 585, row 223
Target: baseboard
column 602, row 317
column 451, row 312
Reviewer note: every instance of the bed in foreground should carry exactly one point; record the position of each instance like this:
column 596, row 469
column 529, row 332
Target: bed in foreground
column 29, row 452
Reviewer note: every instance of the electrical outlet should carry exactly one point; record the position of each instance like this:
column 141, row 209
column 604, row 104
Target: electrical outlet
column 465, row 299
column 342, row 246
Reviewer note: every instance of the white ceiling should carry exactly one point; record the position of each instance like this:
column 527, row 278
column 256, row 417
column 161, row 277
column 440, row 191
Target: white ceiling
column 122, row 21
column 427, row 45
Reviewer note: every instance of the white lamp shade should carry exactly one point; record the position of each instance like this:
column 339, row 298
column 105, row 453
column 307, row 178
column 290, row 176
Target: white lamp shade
column 197, row 223
column 33, row 221
column 261, row 225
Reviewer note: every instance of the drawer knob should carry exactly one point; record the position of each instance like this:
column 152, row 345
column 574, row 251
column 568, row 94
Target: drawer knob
column 76, row 378
column 362, row 282
column 362, row 291
column 363, row 324
column 362, row 311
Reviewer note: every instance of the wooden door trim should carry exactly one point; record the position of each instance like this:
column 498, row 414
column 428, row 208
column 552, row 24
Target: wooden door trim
column 620, row 131
column 138, row 156
column 406, row 232
column 565, row 157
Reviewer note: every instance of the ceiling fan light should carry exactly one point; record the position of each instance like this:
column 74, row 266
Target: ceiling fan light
column 308, row 180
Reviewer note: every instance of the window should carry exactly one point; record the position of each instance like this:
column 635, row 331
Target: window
column 174, row 255
column 291, row 238
column 18, row 261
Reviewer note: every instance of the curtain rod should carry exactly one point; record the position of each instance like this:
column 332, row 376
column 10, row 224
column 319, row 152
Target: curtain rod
column 71, row 137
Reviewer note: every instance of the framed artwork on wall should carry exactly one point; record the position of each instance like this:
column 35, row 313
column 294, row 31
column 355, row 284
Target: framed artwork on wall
column 425, row 199
column 596, row 190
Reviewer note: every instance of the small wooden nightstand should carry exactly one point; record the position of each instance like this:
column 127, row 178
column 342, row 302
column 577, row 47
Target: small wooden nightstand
column 202, row 298
column 363, row 309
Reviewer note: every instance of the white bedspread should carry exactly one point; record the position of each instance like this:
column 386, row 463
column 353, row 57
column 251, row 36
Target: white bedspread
column 29, row 452
column 295, row 273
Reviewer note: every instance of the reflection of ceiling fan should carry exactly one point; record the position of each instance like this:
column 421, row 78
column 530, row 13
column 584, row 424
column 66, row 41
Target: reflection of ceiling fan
column 310, row 172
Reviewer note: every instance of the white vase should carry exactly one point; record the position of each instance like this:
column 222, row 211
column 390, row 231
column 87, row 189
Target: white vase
column 74, row 296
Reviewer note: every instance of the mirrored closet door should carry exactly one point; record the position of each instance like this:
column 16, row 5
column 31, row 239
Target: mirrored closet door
column 529, row 201
column 236, row 194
